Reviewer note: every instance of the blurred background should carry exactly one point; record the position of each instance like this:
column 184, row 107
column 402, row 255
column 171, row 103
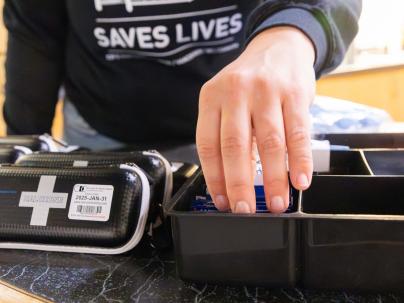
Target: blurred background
column 372, row 73
column 3, row 39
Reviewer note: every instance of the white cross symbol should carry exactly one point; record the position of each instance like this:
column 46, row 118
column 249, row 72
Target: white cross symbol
column 42, row 200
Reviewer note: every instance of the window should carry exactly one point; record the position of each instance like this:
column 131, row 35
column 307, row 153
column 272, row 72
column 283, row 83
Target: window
column 380, row 41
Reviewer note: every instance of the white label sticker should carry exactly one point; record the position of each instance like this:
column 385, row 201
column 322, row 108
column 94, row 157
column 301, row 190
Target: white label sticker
column 91, row 202
column 258, row 181
column 79, row 163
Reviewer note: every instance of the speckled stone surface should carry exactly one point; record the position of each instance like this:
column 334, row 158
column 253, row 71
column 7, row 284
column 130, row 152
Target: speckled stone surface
column 141, row 276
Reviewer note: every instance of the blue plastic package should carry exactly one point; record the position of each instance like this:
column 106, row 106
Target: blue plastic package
column 205, row 203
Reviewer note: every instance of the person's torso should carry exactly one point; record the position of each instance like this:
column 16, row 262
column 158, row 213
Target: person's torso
column 148, row 58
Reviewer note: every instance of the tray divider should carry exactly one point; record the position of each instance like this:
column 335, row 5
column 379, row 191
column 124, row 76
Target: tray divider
column 299, row 202
column 366, row 162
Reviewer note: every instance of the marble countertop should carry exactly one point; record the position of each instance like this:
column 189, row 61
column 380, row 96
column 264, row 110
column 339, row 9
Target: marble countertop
column 140, row 276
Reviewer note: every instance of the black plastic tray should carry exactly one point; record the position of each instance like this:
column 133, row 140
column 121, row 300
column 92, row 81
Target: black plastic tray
column 346, row 232
column 385, row 161
column 365, row 140
column 347, row 162
column 353, row 233
column 233, row 249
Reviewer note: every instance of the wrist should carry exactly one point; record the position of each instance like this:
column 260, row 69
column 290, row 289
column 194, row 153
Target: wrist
column 287, row 36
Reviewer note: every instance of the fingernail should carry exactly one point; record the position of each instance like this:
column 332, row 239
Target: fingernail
column 277, row 204
column 242, row 207
column 222, row 203
column 303, row 181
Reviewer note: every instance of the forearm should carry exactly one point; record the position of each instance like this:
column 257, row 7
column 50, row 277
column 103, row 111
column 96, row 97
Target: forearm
column 34, row 63
column 31, row 92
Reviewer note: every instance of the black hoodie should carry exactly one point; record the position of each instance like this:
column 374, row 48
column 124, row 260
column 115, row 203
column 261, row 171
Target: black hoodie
column 134, row 68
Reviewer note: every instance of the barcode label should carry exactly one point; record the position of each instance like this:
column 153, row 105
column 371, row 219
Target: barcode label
column 86, row 209
column 91, row 202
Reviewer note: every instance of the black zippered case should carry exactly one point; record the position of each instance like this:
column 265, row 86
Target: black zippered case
column 157, row 168
column 34, row 143
column 10, row 154
column 100, row 210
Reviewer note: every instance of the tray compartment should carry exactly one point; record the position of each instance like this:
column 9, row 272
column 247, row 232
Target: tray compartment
column 347, row 162
column 226, row 248
column 385, row 162
column 365, row 140
column 353, row 233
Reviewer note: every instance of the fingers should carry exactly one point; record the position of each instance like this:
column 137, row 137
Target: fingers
column 224, row 140
column 208, row 145
column 273, row 97
column 297, row 126
column 268, row 123
column 236, row 154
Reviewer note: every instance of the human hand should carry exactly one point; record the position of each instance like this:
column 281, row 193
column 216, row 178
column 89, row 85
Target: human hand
column 264, row 94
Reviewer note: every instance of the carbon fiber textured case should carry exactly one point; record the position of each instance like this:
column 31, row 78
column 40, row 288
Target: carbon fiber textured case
column 155, row 166
column 11, row 154
column 35, row 143
column 39, row 207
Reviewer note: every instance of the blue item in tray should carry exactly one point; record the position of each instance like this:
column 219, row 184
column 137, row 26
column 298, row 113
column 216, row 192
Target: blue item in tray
column 205, row 203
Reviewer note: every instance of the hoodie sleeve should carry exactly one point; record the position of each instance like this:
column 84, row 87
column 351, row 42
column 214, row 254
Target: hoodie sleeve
column 34, row 63
column 330, row 24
